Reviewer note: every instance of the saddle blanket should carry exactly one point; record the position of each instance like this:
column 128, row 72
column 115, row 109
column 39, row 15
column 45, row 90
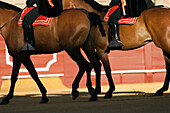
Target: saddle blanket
column 41, row 20
column 128, row 20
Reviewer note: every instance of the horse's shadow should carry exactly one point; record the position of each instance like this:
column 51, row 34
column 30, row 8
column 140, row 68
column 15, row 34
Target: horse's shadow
column 66, row 97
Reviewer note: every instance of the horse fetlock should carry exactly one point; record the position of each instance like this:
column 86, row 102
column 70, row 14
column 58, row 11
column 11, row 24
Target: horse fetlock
column 159, row 93
column 93, row 98
column 91, row 90
column 4, row 101
column 112, row 89
column 75, row 87
column 164, row 89
column 8, row 97
column 44, row 100
column 75, row 94
column 96, row 92
column 108, row 95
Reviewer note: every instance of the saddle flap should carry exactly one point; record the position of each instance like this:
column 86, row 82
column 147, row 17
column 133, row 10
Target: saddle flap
column 41, row 20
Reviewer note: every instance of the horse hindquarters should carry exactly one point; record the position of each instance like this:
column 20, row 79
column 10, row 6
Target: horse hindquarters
column 88, row 48
column 158, row 23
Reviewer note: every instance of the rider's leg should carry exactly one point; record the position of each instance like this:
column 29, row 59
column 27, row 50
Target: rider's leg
column 29, row 39
column 114, row 40
column 28, row 30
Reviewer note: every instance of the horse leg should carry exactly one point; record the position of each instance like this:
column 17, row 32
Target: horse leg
column 89, row 82
column 105, row 60
column 167, row 78
column 97, row 68
column 30, row 67
column 82, row 63
column 15, row 71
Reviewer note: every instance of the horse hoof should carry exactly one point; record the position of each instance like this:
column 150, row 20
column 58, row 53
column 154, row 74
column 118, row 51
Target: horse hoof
column 107, row 96
column 93, row 98
column 3, row 102
column 75, row 94
column 43, row 101
column 91, row 91
column 159, row 93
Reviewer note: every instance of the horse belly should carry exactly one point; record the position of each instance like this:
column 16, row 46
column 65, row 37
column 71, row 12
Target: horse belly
column 134, row 36
column 46, row 39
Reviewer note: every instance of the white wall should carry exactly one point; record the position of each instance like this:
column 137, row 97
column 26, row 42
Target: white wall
column 163, row 2
column 158, row 2
column 19, row 3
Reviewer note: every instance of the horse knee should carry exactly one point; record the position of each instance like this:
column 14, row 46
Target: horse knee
column 89, row 67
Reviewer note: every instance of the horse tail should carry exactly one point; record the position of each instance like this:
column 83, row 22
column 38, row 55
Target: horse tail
column 96, row 20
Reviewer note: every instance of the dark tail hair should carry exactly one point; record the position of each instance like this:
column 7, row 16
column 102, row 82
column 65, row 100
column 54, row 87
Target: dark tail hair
column 96, row 20
column 149, row 3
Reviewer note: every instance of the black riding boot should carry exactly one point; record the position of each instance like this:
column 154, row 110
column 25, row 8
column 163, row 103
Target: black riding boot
column 29, row 40
column 115, row 42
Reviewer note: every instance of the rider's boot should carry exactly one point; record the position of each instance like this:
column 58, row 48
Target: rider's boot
column 29, row 40
column 115, row 42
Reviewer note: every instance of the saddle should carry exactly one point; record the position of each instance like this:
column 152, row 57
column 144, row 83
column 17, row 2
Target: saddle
column 41, row 20
column 123, row 20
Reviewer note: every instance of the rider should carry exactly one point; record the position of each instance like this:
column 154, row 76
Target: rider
column 114, row 40
column 30, row 17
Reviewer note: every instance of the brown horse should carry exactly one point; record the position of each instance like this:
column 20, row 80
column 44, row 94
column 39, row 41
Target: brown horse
column 61, row 34
column 152, row 25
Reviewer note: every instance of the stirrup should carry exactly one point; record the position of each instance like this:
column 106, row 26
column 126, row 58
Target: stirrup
column 115, row 44
column 28, row 48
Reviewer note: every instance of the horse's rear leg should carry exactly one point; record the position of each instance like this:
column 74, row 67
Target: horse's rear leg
column 89, row 82
column 30, row 67
column 15, row 71
column 82, row 63
column 92, row 56
column 167, row 78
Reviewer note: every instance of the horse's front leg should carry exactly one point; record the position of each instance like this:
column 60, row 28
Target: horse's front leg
column 15, row 71
column 105, row 60
column 110, row 80
column 167, row 78
column 31, row 69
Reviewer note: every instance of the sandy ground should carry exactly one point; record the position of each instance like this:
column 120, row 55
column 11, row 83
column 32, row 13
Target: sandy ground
column 128, row 98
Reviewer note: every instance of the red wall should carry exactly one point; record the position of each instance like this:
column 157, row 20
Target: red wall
column 144, row 58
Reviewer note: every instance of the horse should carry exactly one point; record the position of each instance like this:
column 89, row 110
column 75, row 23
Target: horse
column 145, row 30
column 61, row 34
